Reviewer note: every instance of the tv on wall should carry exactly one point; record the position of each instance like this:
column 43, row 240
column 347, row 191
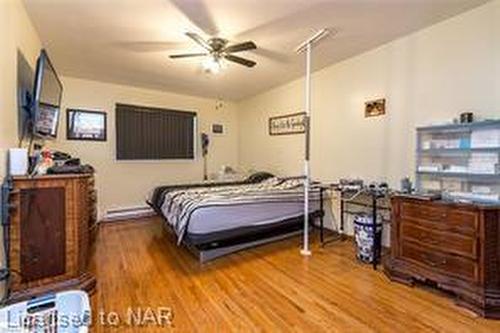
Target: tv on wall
column 46, row 99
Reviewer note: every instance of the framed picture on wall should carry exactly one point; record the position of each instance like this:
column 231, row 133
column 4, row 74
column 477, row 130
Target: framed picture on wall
column 217, row 129
column 86, row 125
column 375, row 108
column 288, row 124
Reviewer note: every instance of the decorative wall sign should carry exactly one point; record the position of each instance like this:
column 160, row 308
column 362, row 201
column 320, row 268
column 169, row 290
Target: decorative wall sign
column 217, row 129
column 85, row 125
column 375, row 108
column 287, row 124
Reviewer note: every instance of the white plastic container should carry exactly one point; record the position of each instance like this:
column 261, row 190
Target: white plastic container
column 18, row 161
column 64, row 312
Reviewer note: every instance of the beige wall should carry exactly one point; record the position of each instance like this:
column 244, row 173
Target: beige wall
column 125, row 184
column 16, row 33
column 427, row 77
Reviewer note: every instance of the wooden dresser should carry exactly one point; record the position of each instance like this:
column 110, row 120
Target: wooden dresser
column 49, row 234
column 455, row 246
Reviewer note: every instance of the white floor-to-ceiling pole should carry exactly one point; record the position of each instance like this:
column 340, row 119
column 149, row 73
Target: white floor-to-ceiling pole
column 307, row 174
column 307, row 47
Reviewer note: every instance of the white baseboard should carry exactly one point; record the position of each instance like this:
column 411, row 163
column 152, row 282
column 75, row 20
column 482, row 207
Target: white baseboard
column 128, row 213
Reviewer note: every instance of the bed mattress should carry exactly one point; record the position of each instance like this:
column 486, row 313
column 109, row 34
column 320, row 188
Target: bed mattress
column 200, row 213
column 214, row 219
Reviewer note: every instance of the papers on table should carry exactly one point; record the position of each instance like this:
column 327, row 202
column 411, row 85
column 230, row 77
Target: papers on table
column 485, row 138
column 483, row 163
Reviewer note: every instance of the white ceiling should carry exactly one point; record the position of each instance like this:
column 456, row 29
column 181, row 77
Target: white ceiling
column 128, row 41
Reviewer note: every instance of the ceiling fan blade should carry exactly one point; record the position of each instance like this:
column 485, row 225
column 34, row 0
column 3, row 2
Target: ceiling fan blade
column 240, row 47
column 241, row 61
column 199, row 14
column 199, row 40
column 187, row 55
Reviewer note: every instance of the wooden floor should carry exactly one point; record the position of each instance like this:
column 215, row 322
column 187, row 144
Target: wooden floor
column 267, row 289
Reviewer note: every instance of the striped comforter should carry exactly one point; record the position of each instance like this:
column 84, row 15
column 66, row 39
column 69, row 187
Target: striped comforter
column 179, row 205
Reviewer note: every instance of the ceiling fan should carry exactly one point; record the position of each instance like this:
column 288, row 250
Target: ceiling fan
column 216, row 49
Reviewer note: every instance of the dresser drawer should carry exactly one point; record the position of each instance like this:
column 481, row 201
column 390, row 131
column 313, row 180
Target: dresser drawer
column 441, row 218
column 464, row 221
column 445, row 241
column 459, row 267
column 424, row 212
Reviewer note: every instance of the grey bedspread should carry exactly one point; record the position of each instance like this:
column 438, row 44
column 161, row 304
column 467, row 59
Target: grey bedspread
column 179, row 205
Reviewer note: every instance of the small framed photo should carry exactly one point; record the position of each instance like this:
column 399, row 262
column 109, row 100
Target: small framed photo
column 375, row 108
column 86, row 125
column 218, row 129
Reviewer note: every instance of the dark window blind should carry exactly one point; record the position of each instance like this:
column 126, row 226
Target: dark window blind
column 144, row 133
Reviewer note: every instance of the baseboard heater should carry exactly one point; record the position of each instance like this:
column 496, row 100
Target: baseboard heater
column 128, row 213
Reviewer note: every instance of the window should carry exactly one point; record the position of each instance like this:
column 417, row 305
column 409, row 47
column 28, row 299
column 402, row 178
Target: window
column 144, row 133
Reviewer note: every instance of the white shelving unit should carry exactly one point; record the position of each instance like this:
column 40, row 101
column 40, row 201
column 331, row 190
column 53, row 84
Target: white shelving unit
column 461, row 161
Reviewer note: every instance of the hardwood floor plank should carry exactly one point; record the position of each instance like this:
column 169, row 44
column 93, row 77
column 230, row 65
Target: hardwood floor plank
column 265, row 289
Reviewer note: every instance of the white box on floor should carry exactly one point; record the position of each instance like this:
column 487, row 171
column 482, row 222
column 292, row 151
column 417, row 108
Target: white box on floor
column 63, row 312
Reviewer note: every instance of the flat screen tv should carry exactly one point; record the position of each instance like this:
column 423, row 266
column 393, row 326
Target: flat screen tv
column 47, row 99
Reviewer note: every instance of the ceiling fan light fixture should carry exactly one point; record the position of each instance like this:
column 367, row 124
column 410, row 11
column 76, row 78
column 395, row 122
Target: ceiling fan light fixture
column 218, row 52
column 212, row 65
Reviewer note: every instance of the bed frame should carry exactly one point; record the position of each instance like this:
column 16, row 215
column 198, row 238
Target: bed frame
column 247, row 238
column 217, row 252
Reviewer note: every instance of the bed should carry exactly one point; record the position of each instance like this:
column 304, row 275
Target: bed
column 214, row 219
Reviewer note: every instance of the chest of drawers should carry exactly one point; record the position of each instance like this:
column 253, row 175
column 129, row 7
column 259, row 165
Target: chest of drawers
column 454, row 246
column 49, row 244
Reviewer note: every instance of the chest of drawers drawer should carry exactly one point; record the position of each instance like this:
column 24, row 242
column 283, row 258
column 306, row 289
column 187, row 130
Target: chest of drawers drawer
column 441, row 218
column 453, row 243
column 435, row 261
